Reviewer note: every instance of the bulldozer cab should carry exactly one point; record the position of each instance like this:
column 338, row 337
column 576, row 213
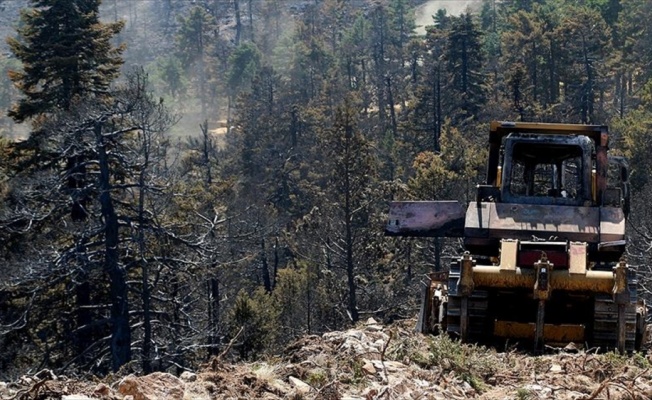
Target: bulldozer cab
column 540, row 169
column 554, row 164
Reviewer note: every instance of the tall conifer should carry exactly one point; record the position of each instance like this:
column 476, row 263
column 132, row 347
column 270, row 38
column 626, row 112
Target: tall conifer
column 465, row 62
column 66, row 55
column 66, row 52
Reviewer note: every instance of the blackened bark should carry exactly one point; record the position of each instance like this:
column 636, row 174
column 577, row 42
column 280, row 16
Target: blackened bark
column 213, row 314
column 145, row 293
column 294, row 126
column 238, row 22
column 392, row 111
column 76, row 172
column 84, row 333
column 276, row 264
column 250, row 13
column 439, row 110
column 83, row 336
column 350, row 267
column 438, row 266
column 206, row 150
column 408, row 259
column 554, row 85
column 147, row 320
column 267, row 282
column 586, row 114
column 120, row 329
column 348, row 221
column 535, row 77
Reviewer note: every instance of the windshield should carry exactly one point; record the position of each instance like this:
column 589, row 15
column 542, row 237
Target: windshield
column 549, row 171
column 552, row 173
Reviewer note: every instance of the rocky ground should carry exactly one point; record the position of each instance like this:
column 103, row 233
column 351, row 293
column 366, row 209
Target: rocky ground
column 372, row 362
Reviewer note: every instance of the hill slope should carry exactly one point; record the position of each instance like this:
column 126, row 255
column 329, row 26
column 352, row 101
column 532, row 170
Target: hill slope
column 373, row 362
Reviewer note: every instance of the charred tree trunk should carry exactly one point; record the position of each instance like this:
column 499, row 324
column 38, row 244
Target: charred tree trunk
column 535, row 77
column 207, row 146
column 350, row 267
column 213, row 314
column 120, row 329
column 408, row 259
column 145, row 293
column 438, row 254
column 84, row 336
column 250, row 15
column 294, row 126
column 392, row 111
column 348, row 222
column 587, row 90
column 276, row 264
column 238, row 22
column 76, row 172
column 554, row 86
column 267, row 282
column 437, row 119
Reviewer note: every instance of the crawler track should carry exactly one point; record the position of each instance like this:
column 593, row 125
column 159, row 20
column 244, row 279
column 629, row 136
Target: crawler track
column 477, row 309
column 605, row 319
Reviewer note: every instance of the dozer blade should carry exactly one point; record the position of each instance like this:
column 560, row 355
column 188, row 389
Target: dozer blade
column 425, row 218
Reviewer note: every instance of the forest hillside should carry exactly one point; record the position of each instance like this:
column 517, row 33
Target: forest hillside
column 185, row 180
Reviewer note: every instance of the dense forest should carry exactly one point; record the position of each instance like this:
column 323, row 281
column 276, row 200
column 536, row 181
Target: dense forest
column 177, row 175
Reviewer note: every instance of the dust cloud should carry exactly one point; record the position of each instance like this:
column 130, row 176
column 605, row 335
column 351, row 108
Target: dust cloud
column 425, row 12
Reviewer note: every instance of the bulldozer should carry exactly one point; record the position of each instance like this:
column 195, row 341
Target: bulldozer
column 543, row 245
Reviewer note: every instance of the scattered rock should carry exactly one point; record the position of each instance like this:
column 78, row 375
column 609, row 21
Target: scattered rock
column 369, row 368
column 389, row 366
column 188, row 376
column 372, row 326
column 101, row 390
column 571, row 348
column 198, row 391
column 300, row 385
column 538, row 390
column 158, row 385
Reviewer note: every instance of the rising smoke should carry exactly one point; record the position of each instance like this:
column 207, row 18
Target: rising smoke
column 425, row 12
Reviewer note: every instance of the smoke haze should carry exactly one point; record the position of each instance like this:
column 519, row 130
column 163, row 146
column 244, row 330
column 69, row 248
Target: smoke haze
column 425, row 12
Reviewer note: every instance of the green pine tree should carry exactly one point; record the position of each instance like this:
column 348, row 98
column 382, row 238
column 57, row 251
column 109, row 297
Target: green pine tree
column 66, row 53
column 465, row 61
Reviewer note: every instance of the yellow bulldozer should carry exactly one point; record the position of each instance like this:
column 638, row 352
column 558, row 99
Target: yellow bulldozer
column 544, row 245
